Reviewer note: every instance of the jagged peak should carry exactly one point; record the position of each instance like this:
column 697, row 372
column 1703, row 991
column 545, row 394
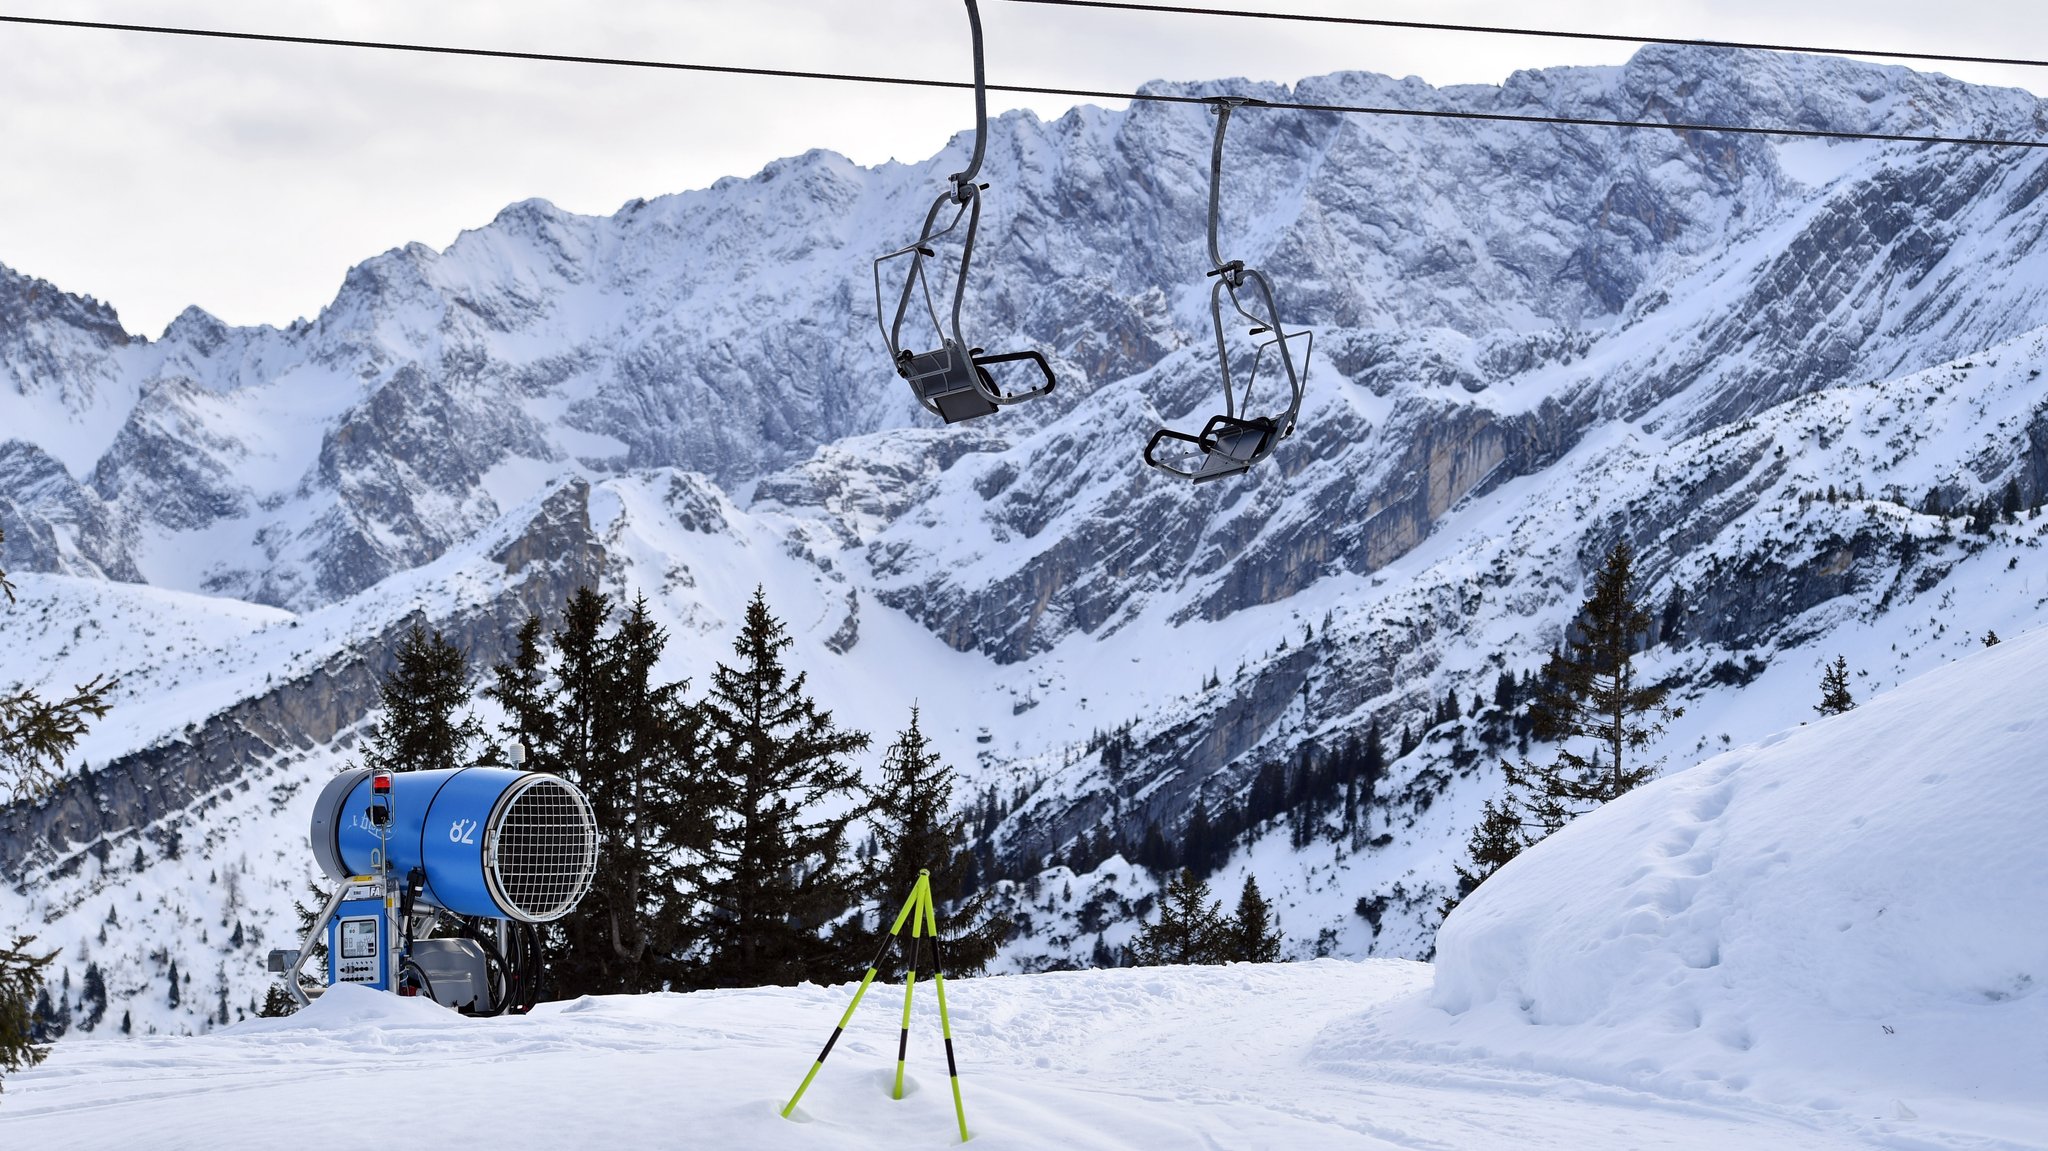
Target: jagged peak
column 197, row 327
column 25, row 299
column 530, row 211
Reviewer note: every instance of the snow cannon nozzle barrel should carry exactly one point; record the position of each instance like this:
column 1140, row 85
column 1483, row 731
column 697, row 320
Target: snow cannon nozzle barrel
column 488, row 841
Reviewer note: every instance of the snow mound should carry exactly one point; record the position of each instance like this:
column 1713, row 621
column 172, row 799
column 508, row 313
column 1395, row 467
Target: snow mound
column 1848, row 915
column 345, row 1008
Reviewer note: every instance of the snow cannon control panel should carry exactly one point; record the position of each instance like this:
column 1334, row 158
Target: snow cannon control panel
column 359, row 936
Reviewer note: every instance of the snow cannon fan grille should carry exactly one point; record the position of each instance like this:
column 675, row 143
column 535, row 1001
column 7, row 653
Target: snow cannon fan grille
column 544, row 853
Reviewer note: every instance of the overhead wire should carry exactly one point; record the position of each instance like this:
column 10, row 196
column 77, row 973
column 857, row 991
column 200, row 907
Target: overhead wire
column 1448, row 114
column 1548, row 33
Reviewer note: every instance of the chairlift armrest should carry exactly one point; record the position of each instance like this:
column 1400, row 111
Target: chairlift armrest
column 1164, row 434
column 1034, row 356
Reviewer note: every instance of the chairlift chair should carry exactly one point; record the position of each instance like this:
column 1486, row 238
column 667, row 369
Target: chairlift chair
column 952, row 380
column 1234, row 440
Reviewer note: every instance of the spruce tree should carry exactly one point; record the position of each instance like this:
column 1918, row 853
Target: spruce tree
column 589, row 707
column 1190, row 927
column 784, row 793
column 1591, row 690
column 1588, row 689
column 1253, row 935
column 35, row 736
column 1499, row 837
column 23, row 1000
column 1153, row 854
column 669, row 822
column 277, row 1003
column 915, row 829
column 1834, row 689
column 419, row 731
column 1674, row 617
column 92, row 998
column 176, row 996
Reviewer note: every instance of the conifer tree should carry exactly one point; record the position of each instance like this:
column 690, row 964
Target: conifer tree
column 777, row 877
column 92, row 998
column 589, row 708
column 176, row 996
column 1834, row 689
column 917, row 830
column 1199, row 849
column 35, row 736
column 1498, row 838
column 277, row 1003
column 419, row 730
column 1253, row 935
column 1591, row 690
column 46, row 1025
column 1153, row 854
column 1190, row 927
column 1669, row 630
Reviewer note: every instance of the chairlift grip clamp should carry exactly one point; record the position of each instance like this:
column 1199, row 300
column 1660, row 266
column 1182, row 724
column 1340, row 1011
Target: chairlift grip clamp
column 1232, row 273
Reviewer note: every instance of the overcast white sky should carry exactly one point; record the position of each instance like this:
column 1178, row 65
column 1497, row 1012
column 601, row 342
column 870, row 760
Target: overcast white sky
column 157, row 172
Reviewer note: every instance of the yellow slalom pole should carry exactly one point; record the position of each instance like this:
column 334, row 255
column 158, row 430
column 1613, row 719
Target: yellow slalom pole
column 931, row 915
column 920, row 894
column 909, row 905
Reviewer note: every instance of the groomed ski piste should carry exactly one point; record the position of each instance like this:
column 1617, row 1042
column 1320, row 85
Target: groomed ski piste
column 1834, row 938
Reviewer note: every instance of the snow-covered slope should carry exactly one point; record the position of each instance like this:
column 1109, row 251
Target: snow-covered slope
column 1828, row 939
column 1134, row 1060
column 1845, row 917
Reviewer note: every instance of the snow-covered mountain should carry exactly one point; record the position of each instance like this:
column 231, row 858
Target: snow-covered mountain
column 1531, row 342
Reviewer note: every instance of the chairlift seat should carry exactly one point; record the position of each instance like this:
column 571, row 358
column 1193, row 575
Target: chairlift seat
column 946, row 380
column 1229, row 447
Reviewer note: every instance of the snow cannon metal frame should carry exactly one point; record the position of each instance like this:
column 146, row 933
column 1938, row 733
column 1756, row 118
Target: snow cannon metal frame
column 952, row 381
column 498, row 850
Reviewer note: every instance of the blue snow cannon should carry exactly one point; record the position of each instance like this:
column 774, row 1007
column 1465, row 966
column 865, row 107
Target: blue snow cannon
column 484, row 841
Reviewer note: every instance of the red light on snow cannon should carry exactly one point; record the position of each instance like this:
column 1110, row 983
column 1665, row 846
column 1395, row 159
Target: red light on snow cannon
column 381, row 783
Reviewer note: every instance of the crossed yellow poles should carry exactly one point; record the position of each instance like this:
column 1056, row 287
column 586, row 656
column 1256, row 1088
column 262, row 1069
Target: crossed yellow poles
column 919, row 913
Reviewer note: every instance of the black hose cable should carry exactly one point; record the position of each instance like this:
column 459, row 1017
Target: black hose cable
column 1042, row 90
column 419, row 973
column 1547, row 33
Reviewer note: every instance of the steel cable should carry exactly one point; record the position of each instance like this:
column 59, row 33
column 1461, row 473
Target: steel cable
column 1039, row 90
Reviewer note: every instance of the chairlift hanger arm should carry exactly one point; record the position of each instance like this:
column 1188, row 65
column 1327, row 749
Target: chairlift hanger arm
column 963, row 181
column 1232, row 270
